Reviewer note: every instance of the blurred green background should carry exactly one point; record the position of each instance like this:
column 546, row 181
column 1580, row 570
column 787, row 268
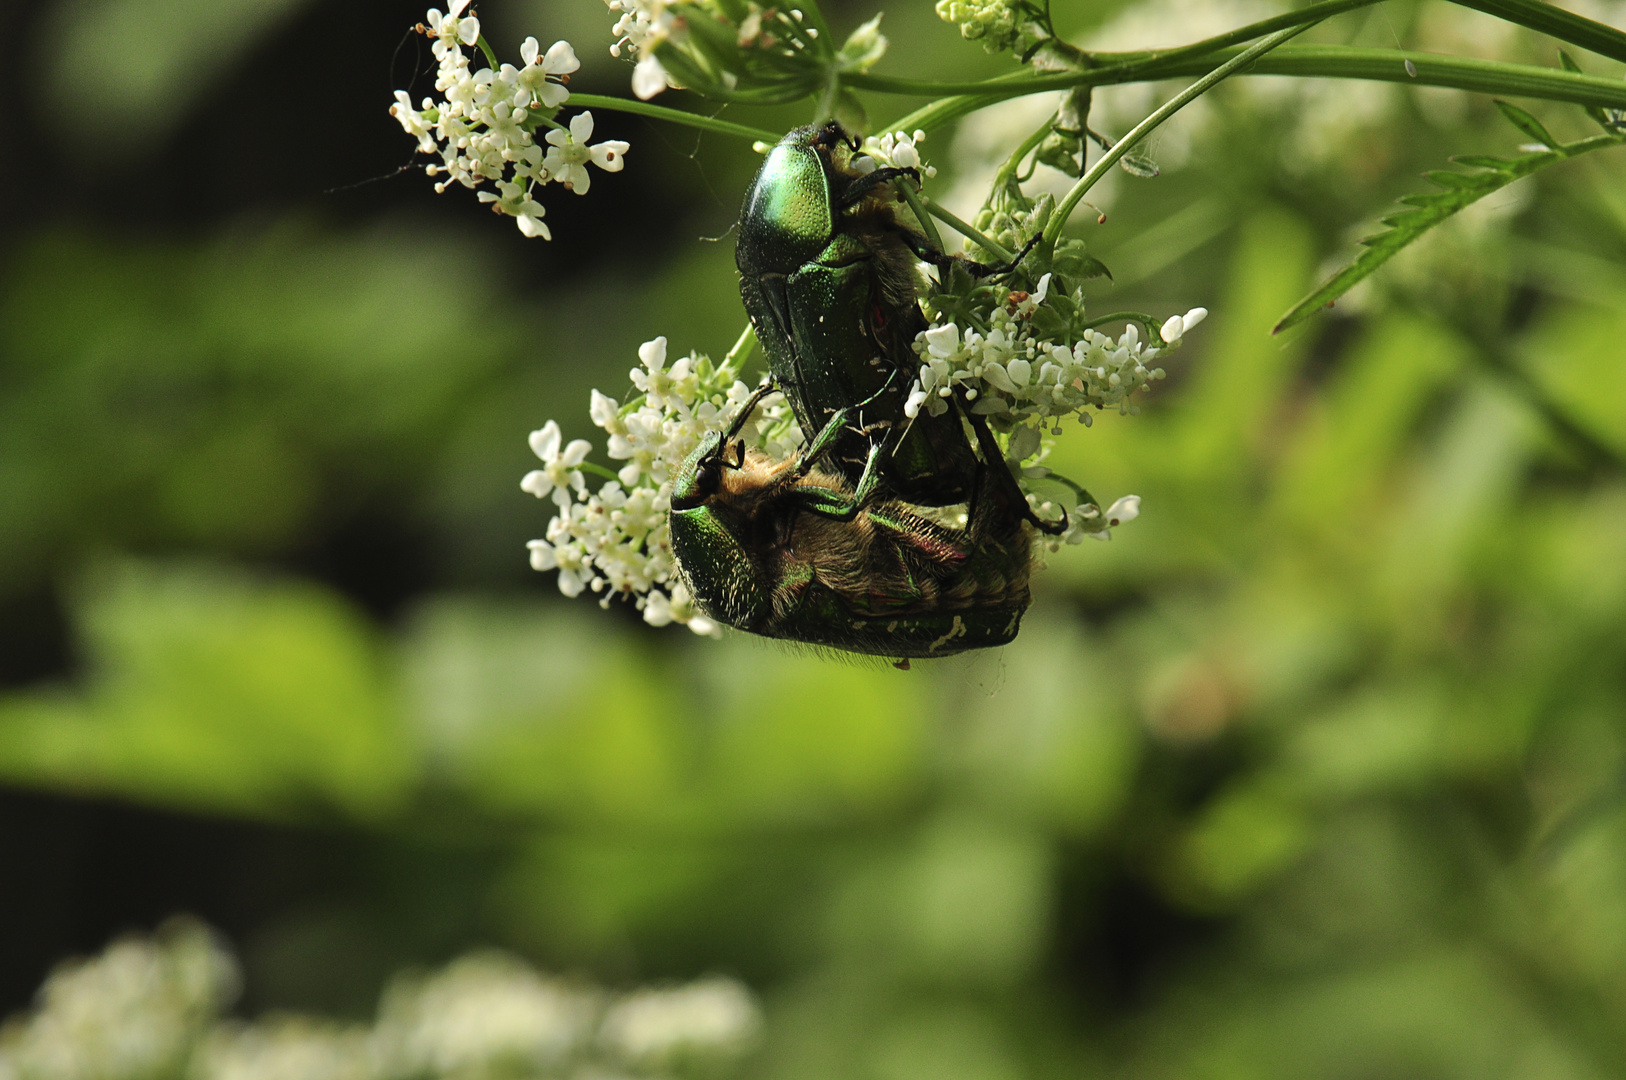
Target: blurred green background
column 1317, row 769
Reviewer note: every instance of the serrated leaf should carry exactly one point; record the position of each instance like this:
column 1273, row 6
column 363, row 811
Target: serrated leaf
column 1428, row 209
column 1526, row 123
column 1482, row 161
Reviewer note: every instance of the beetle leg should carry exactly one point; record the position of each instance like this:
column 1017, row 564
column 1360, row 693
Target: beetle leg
column 864, row 186
column 928, row 253
column 826, row 438
column 744, row 415
column 838, row 505
column 996, row 461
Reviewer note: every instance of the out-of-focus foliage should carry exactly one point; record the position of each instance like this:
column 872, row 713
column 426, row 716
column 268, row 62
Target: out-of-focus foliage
column 1314, row 770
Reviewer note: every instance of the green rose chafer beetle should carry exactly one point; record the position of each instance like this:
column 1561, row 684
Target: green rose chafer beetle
column 790, row 550
column 828, row 276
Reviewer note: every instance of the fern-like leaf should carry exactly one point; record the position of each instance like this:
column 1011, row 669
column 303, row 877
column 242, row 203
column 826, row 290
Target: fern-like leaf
column 1426, row 210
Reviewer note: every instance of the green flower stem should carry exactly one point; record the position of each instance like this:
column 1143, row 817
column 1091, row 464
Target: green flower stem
column 1457, row 72
column 1553, row 20
column 964, row 228
column 676, row 116
column 913, row 198
column 1252, row 54
column 1008, row 170
column 1124, row 316
column 742, row 348
column 1124, row 64
column 940, row 112
column 1328, row 61
column 599, row 471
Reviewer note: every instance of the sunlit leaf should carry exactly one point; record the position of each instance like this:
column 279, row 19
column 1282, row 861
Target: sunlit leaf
column 1425, row 211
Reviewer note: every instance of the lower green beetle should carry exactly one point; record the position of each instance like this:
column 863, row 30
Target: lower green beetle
column 792, row 551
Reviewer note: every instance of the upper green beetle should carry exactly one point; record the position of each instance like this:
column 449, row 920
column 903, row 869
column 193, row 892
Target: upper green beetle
column 828, row 275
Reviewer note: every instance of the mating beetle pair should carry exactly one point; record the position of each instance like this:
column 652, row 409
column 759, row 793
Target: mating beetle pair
column 790, row 550
column 842, row 544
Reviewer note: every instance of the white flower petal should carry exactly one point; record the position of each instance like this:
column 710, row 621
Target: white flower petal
column 545, row 441
column 610, row 156
column 1193, row 317
column 536, row 482
column 561, row 59
column 648, row 78
column 1125, row 509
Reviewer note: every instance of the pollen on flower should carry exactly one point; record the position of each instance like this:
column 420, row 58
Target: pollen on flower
column 483, row 126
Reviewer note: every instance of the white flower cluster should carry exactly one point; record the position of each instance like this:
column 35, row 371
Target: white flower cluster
column 286, row 1048
column 1006, row 371
column 898, row 149
column 617, row 540
column 483, row 126
column 152, row 1008
column 133, row 1013
column 641, row 25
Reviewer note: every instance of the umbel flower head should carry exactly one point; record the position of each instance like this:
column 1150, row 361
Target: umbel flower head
column 616, row 541
column 483, row 126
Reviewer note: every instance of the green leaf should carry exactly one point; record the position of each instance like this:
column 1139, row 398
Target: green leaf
column 1428, row 209
column 1526, row 123
column 1611, row 120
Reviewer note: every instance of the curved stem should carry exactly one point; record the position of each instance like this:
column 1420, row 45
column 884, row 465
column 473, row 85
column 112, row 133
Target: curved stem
column 964, row 228
column 914, row 200
column 1432, row 69
column 1329, row 61
column 1014, row 162
column 1125, row 316
column 940, row 112
column 676, row 116
column 1125, row 63
column 599, row 471
column 742, row 348
column 1053, row 227
column 1555, row 21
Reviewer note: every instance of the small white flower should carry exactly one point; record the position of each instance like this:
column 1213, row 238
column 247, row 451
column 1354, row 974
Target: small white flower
column 451, row 30
column 533, row 79
column 516, row 202
column 648, row 78
column 559, row 473
column 569, row 154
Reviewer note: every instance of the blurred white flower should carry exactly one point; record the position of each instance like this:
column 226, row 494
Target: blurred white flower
column 285, row 1048
column 132, row 1013
column 485, row 1013
column 714, row 1017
